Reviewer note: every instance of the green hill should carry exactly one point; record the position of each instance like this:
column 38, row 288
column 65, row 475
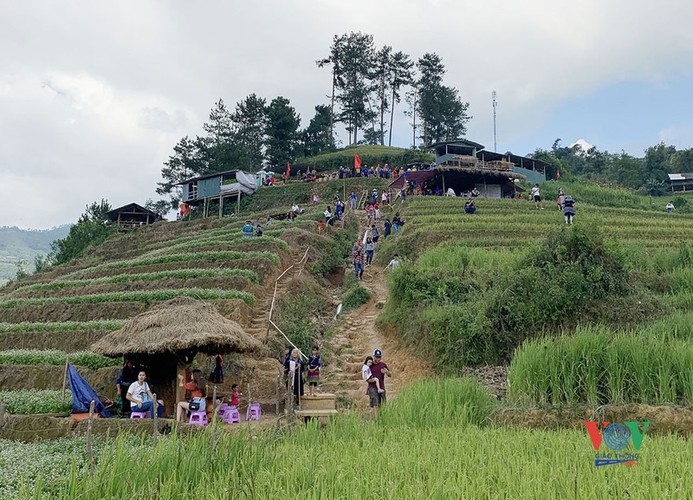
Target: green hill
column 21, row 246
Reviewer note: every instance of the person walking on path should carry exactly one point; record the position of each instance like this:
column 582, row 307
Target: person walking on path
column 561, row 198
column 379, row 370
column 568, row 209
column 536, row 194
column 375, row 233
column 397, row 222
column 357, row 259
column 352, row 197
column 388, row 228
column 370, row 249
column 394, row 263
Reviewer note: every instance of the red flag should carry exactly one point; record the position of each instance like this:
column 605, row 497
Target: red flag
column 558, row 174
column 288, row 168
column 357, row 161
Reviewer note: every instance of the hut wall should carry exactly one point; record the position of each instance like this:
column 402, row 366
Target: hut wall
column 208, row 187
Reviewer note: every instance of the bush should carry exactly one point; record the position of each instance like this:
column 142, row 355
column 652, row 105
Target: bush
column 355, row 297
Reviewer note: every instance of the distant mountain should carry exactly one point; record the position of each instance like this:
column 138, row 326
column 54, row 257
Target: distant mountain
column 22, row 245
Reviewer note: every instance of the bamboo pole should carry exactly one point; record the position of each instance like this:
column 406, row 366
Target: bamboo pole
column 90, row 452
column 155, row 405
column 67, row 362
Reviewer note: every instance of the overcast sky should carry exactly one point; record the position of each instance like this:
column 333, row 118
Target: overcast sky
column 94, row 95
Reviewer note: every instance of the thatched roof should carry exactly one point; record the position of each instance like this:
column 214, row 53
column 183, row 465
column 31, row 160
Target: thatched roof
column 180, row 324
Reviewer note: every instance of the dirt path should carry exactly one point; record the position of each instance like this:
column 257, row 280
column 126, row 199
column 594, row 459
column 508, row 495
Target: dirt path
column 356, row 337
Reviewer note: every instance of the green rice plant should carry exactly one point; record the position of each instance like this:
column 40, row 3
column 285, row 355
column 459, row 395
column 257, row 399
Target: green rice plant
column 35, row 401
column 147, row 297
column 595, row 366
column 678, row 325
column 55, row 357
column 130, row 278
column 453, row 258
column 222, row 243
column 181, row 257
column 439, row 402
column 352, row 458
column 66, row 326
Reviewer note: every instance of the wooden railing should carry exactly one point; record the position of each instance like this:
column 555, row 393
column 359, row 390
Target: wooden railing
column 271, row 323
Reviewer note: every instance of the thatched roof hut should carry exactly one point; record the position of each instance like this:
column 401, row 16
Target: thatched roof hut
column 178, row 325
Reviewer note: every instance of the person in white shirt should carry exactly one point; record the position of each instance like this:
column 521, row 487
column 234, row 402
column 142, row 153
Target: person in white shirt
column 367, row 375
column 141, row 397
column 394, row 263
column 537, row 196
column 670, row 207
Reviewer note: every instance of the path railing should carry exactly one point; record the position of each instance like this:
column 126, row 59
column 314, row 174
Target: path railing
column 271, row 323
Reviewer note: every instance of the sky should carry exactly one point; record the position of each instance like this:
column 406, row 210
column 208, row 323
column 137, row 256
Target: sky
column 94, row 95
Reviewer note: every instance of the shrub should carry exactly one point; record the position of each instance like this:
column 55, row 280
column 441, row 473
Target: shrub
column 355, row 297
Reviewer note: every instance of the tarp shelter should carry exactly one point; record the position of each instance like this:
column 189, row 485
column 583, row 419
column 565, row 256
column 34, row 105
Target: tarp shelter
column 418, row 176
column 83, row 394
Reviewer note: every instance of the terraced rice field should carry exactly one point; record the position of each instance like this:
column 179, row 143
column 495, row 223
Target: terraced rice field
column 66, row 309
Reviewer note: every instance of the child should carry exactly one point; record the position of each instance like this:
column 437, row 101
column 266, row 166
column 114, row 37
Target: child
column 235, row 395
column 367, row 375
column 314, row 365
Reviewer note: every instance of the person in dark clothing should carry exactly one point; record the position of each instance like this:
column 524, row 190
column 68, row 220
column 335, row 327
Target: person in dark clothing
column 388, row 228
column 294, row 365
column 127, row 376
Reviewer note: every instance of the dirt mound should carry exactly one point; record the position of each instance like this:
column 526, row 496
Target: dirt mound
column 494, row 378
column 663, row 419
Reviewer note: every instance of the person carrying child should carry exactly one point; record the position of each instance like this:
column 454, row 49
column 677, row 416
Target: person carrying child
column 314, row 364
column 367, row 374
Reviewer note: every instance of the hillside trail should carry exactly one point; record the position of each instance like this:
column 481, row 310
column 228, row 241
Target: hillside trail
column 357, row 335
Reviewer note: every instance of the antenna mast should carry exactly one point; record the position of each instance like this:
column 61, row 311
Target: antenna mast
column 495, row 103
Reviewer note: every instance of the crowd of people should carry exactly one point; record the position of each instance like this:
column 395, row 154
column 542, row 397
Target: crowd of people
column 135, row 394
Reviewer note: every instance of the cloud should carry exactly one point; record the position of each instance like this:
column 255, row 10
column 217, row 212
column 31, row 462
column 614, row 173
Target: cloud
column 93, row 99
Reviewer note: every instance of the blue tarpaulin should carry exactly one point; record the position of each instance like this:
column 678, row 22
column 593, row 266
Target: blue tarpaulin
column 83, row 394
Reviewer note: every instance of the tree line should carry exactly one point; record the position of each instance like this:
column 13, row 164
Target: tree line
column 367, row 84
column 647, row 174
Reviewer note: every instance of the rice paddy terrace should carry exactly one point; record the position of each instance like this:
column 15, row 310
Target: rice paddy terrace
column 642, row 360
column 479, row 286
column 62, row 311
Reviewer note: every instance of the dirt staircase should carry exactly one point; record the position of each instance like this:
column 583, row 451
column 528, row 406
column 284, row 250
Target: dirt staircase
column 357, row 336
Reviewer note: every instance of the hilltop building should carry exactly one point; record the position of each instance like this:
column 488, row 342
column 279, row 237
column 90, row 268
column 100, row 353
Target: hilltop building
column 464, row 165
column 219, row 186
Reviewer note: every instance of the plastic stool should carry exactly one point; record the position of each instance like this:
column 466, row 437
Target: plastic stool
column 198, row 418
column 253, row 411
column 223, row 410
column 232, row 415
column 139, row 414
